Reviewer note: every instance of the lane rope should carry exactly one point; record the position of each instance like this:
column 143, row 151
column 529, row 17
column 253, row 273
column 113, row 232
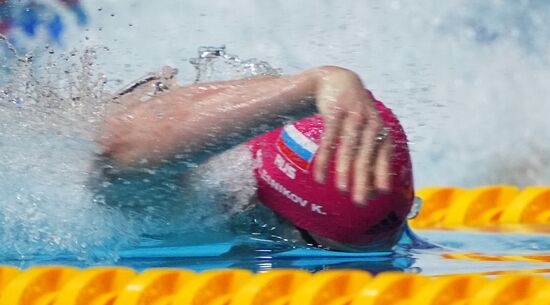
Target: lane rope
column 61, row 285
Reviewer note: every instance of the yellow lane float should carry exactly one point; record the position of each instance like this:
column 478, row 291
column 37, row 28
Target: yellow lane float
column 503, row 206
column 57, row 285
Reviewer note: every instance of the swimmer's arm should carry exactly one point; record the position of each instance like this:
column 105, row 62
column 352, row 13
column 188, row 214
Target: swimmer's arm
column 191, row 123
column 147, row 146
column 194, row 122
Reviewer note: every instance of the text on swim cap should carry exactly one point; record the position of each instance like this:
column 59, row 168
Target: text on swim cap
column 316, row 208
column 284, row 166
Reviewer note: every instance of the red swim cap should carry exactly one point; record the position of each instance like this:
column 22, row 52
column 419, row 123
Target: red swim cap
column 285, row 184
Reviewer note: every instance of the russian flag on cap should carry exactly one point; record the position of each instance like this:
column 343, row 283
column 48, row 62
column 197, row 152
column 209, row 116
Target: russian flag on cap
column 296, row 147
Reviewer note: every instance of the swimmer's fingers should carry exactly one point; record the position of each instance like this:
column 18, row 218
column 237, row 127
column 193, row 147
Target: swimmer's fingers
column 382, row 170
column 363, row 183
column 352, row 127
column 326, row 147
column 150, row 85
column 136, row 95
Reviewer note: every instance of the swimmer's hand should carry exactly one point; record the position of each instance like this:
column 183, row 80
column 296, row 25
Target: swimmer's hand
column 355, row 132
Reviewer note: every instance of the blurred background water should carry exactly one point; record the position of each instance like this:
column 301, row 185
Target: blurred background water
column 468, row 79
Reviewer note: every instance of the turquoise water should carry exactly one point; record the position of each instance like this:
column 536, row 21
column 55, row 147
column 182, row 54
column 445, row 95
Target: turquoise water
column 414, row 254
column 420, row 254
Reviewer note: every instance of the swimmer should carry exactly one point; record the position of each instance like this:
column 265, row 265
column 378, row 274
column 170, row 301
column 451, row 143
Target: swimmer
column 339, row 173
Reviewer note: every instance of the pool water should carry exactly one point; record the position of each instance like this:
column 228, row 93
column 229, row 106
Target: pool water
column 424, row 253
column 430, row 252
column 51, row 225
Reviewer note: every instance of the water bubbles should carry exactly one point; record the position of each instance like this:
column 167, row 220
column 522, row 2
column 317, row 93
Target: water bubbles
column 48, row 117
column 214, row 64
